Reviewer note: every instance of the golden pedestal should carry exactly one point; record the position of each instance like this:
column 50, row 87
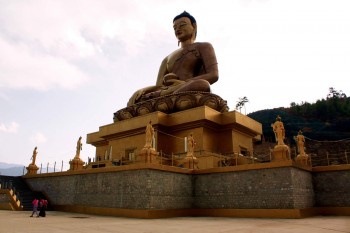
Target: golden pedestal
column 32, row 169
column 215, row 133
column 147, row 155
column 76, row 164
column 190, row 162
column 281, row 153
column 303, row 159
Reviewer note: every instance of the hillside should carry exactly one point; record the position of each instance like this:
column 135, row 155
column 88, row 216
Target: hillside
column 314, row 128
column 326, row 119
column 325, row 125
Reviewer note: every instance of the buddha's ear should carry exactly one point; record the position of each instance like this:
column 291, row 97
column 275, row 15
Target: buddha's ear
column 194, row 34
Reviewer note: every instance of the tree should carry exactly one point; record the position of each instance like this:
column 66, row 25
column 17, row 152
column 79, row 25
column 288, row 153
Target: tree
column 241, row 103
column 334, row 94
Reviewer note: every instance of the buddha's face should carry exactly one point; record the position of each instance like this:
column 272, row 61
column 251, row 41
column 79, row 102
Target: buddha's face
column 183, row 29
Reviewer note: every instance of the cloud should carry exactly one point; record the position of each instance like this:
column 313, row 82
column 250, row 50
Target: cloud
column 45, row 47
column 5, row 97
column 21, row 67
column 12, row 128
column 38, row 138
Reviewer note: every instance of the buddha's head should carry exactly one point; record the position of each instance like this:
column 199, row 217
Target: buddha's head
column 185, row 27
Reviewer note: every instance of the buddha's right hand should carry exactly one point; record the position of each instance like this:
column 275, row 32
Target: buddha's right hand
column 138, row 94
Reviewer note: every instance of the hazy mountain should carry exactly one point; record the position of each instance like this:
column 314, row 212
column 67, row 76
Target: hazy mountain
column 7, row 169
column 12, row 171
column 9, row 165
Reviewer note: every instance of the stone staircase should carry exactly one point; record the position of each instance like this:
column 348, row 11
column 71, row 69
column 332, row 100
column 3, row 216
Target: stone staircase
column 21, row 189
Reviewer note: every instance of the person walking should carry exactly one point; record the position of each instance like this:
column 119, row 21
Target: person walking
column 43, row 205
column 35, row 204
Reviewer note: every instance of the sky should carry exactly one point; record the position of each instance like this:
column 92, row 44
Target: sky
column 67, row 66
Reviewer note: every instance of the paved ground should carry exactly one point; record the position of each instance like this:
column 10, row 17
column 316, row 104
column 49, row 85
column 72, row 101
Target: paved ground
column 58, row 222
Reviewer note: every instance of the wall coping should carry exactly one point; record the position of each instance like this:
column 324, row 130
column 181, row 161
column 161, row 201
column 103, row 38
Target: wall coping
column 236, row 213
column 133, row 167
column 342, row 167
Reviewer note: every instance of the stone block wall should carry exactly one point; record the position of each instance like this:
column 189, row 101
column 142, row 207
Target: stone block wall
column 134, row 189
column 275, row 188
column 272, row 188
column 332, row 188
column 303, row 190
column 255, row 188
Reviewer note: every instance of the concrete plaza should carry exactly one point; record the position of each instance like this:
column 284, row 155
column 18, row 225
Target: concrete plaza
column 58, row 222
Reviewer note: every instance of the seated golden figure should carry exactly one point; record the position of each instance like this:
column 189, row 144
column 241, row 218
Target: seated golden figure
column 193, row 67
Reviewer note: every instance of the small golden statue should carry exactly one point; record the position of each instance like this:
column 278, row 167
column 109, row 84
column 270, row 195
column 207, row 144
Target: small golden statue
column 32, row 168
column 278, row 129
column 149, row 135
column 33, row 158
column 300, row 139
column 281, row 151
column 77, row 163
column 148, row 153
column 302, row 158
column 190, row 145
column 79, row 148
column 190, row 161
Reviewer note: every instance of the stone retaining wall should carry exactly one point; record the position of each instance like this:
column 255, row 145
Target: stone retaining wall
column 135, row 189
column 277, row 188
column 332, row 188
column 269, row 188
column 261, row 189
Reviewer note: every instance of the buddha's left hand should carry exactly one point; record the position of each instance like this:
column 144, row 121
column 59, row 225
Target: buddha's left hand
column 169, row 78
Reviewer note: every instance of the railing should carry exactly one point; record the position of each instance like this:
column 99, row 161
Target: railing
column 57, row 167
column 330, row 159
column 323, row 158
column 223, row 160
column 328, row 153
column 220, row 159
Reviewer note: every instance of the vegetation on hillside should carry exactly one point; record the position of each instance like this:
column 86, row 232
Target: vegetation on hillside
column 327, row 119
column 335, row 106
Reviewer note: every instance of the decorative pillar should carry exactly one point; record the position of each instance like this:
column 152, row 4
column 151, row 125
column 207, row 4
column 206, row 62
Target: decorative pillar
column 32, row 168
column 77, row 163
